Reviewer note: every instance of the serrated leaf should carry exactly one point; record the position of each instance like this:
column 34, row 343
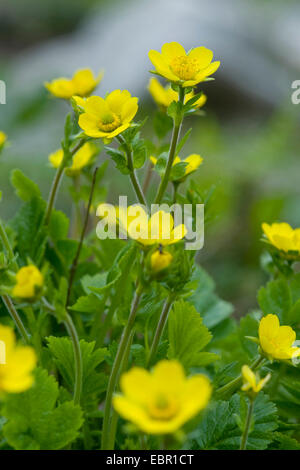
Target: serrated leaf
column 162, row 124
column 29, row 229
column 58, row 225
column 276, row 298
column 35, row 422
column 219, row 429
column 212, row 309
column 92, row 380
column 88, row 304
column 187, row 335
column 25, row 188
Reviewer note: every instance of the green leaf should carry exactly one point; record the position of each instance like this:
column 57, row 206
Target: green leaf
column 139, row 153
column 119, row 159
column 219, row 428
column 93, row 382
column 212, row 309
column 25, row 188
column 172, row 109
column 59, row 225
column 187, row 336
column 183, row 141
column 34, row 420
column 29, row 229
column 178, row 171
column 162, row 124
column 88, row 304
column 284, row 442
column 276, row 298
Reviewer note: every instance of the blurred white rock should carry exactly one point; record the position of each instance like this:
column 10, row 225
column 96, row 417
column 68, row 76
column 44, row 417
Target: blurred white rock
column 250, row 38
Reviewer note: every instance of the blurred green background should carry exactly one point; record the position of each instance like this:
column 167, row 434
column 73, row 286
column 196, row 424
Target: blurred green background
column 250, row 146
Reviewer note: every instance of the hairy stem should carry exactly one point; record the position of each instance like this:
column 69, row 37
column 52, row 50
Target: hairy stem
column 116, row 367
column 85, row 224
column 114, row 417
column 56, row 183
column 159, row 329
column 247, row 425
column 6, row 299
column 133, row 177
column 233, row 385
column 176, row 131
column 77, row 358
column 16, row 318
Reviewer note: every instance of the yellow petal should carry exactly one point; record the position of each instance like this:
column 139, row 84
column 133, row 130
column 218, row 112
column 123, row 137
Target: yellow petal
column 203, row 55
column 96, row 106
column 116, row 100
column 56, row 158
column 89, row 123
column 161, row 225
column 137, row 385
column 7, row 336
column 171, row 50
column 129, row 110
column 177, row 234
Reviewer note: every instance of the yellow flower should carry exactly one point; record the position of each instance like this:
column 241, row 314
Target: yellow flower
column 193, row 162
column 186, row 69
column 282, row 236
column 18, row 364
column 158, row 229
column 55, row 158
column 251, row 381
column 164, row 96
column 29, row 281
column 161, row 401
column 81, row 158
column 3, row 138
column 277, row 341
column 160, row 260
column 110, row 116
column 82, row 83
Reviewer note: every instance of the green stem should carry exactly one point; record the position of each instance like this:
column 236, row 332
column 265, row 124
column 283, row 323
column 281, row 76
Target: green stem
column 6, row 299
column 159, row 329
column 7, row 246
column 116, row 367
column 15, row 316
column 133, row 178
column 247, row 425
column 56, row 183
column 176, row 131
column 77, row 358
column 147, row 178
column 114, row 417
column 75, row 261
column 70, row 327
column 234, row 384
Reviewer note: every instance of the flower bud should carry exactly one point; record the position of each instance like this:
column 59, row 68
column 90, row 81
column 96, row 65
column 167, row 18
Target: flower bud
column 29, row 282
column 160, row 260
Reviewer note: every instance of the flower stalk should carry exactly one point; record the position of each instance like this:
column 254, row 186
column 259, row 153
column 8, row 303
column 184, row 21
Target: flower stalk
column 177, row 121
column 6, row 299
column 159, row 329
column 245, row 434
column 233, row 385
column 133, row 177
column 16, row 318
column 116, row 368
column 68, row 322
column 56, row 183
column 85, row 224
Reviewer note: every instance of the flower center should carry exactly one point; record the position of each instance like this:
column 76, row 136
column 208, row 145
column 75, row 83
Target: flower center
column 184, row 67
column 109, row 122
column 163, row 408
